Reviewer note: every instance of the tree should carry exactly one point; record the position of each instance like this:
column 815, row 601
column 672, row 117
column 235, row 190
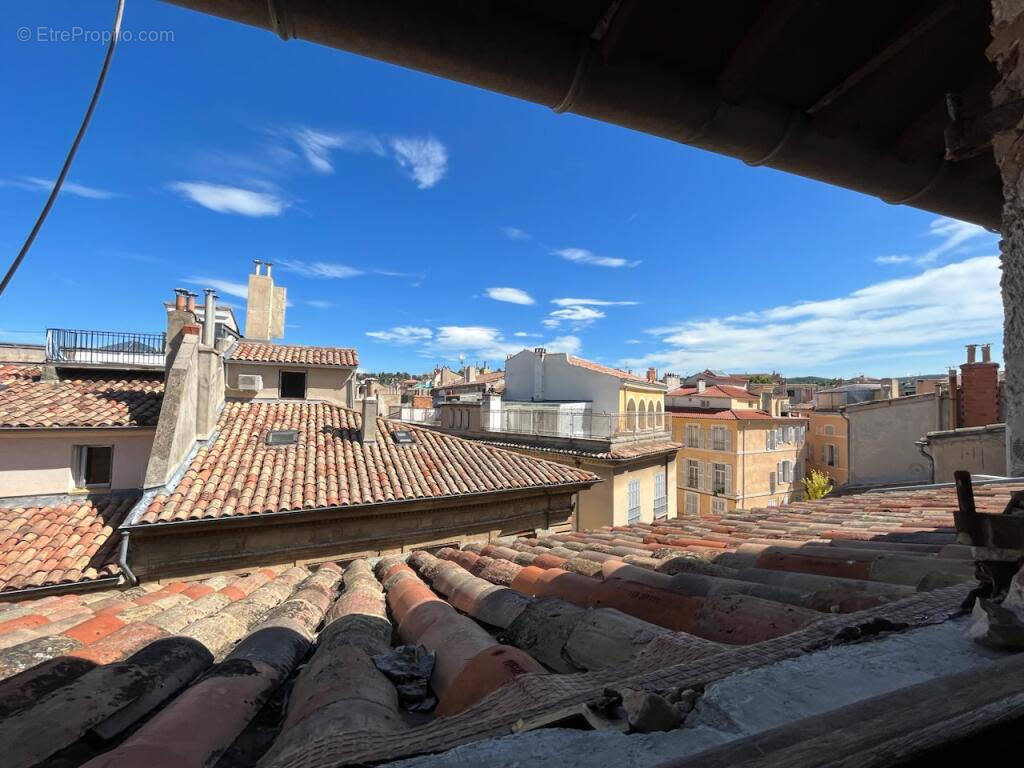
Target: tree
column 817, row 485
column 761, row 378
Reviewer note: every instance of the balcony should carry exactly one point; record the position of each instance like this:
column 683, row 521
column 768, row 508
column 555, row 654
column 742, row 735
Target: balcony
column 552, row 422
column 69, row 347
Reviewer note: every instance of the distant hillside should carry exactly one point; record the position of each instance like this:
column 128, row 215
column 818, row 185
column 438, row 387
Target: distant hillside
column 808, row 380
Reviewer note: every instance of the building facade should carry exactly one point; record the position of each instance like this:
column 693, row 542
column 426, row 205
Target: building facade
column 828, row 445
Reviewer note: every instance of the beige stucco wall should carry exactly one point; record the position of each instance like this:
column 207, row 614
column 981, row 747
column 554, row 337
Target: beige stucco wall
column 327, row 384
column 883, row 437
column 22, row 353
column 645, row 471
column 40, row 461
column 176, row 427
column 979, row 450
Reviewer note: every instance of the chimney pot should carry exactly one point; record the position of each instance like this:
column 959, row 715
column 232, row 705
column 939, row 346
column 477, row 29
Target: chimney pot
column 179, row 298
column 652, row 375
column 986, row 353
column 972, row 353
column 210, row 317
column 269, row 266
column 190, row 302
column 701, row 385
column 540, row 351
column 256, row 264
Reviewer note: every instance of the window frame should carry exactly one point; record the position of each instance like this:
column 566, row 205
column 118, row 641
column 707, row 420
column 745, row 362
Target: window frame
column 280, row 384
column 689, row 497
column 717, row 468
column 80, row 458
column 633, row 502
column 660, row 496
column 718, row 502
column 693, row 468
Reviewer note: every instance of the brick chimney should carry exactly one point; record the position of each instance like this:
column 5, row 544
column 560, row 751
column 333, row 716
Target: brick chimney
column 190, row 301
column 652, row 375
column 979, row 389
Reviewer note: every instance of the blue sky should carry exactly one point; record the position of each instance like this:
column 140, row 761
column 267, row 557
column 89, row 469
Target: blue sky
column 423, row 220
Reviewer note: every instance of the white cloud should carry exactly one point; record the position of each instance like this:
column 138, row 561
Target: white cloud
column 224, row 199
column 319, row 303
column 525, row 335
column 634, row 341
column 426, row 159
column 241, row 290
column 316, row 145
column 578, row 317
column 570, row 345
column 583, row 256
column 954, row 235
column 318, row 269
column 510, row 295
column 36, row 184
column 592, row 303
column 404, row 334
column 515, row 233
column 938, row 306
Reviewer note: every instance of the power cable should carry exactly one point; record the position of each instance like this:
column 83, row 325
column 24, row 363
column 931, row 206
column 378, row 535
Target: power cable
column 71, row 152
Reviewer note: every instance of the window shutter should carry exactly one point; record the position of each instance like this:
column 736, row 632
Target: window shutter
column 700, row 475
column 728, row 439
column 779, row 471
column 728, row 478
column 701, row 441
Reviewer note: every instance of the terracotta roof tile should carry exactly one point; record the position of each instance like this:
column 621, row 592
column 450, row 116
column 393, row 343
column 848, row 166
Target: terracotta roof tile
column 623, row 452
column 238, row 474
column 718, row 390
column 590, row 365
column 265, row 352
column 79, row 398
column 62, row 543
column 732, row 414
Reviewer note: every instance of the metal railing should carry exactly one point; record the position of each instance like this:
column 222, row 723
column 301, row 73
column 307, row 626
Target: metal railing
column 70, row 346
column 428, row 416
column 556, row 423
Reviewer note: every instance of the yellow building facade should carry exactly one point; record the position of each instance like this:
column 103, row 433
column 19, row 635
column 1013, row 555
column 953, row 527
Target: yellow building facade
column 828, row 445
column 737, row 459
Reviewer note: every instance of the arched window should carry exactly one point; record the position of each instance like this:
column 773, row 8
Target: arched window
column 650, row 416
column 631, row 416
column 641, row 422
column 660, row 418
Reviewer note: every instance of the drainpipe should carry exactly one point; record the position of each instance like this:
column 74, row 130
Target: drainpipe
column 122, row 560
column 921, row 446
column 849, row 445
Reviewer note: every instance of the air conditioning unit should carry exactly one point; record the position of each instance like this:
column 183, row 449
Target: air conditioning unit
column 250, row 382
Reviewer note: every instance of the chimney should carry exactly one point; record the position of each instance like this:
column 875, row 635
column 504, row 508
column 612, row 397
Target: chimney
column 673, row 381
column 369, row 432
column 972, row 353
column 954, row 401
column 652, row 375
column 540, row 351
column 256, row 264
column 470, row 374
column 986, row 353
column 269, row 266
column 265, row 306
column 190, row 301
column 701, row 385
column 210, row 319
column 179, row 299
column 979, row 390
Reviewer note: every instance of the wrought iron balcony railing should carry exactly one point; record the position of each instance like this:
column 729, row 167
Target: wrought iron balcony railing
column 78, row 347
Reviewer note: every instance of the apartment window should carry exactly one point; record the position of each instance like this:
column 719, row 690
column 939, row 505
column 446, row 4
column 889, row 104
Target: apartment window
column 829, row 455
column 705, row 403
column 94, row 465
column 770, row 441
column 790, row 434
column 660, row 496
column 785, row 471
column 771, row 482
column 720, row 438
column 692, row 436
column 634, row 501
column 721, row 479
column 718, row 506
column 692, row 474
column 691, row 501
column 293, row 384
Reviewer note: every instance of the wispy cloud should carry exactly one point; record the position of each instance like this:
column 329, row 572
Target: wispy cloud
column 241, row 290
column 226, row 199
column 510, row 295
column 402, row 335
column 515, row 233
column 318, row 269
column 583, row 256
column 592, row 303
column 36, row 184
column 578, row 317
column 953, row 237
column 943, row 304
column 525, row 335
column 319, row 303
column 316, row 146
column 454, row 342
column 426, row 159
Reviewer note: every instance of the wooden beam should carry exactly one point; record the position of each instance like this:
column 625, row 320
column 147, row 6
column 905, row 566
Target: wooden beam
column 901, row 42
column 748, row 57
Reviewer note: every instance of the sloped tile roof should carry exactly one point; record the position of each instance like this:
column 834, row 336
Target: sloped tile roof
column 728, row 607
column 590, row 365
column 265, row 352
column 329, row 466
column 620, row 452
column 718, row 390
column 731, row 414
column 79, row 398
column 67, row 543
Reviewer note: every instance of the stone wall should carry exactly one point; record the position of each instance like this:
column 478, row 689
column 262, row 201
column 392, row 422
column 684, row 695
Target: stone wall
column 979, row 450
column 176, row 428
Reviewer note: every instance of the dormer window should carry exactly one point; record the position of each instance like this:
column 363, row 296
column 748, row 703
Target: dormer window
column 293, row 385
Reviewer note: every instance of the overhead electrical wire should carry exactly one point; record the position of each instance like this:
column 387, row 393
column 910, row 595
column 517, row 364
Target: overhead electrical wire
column 71, row 152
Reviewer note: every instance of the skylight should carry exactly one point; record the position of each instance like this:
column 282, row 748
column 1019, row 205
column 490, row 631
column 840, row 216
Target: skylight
column 282, row 437
column 403, row 436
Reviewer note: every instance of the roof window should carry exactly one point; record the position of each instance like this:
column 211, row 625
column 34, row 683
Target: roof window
column 282, row 437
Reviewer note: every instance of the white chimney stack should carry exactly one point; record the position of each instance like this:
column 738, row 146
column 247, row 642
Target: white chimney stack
column 210, row 317
column 369, row 420
column 701, row 385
